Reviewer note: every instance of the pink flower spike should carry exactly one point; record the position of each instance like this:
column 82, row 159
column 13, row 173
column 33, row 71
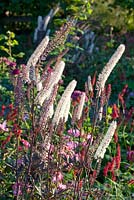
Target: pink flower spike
column 26, row 143
column 62, row 186
column 71, row 145
column 17, row 189
column 3, row 126
column 74, row 132
column 57, row 177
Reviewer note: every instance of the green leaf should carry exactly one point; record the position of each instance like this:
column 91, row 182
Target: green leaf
column 11, row 34
column 109, row 110
column 19, row 55
column 3, row 37
column 4, row 49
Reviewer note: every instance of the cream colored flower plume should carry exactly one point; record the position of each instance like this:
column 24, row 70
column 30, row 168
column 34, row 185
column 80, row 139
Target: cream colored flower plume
column 37, row 53
column 54, row 79
column 63, row 106
column 106, row 141
column 89, row 84
column 80, row 106
column 103, row 76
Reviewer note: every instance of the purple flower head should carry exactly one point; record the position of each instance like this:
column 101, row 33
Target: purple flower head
column 130, row 155
column 16, row 72
column 25, row 116
column 20, row 162
column 74, row 132
column 17, row 189
column 76, row 94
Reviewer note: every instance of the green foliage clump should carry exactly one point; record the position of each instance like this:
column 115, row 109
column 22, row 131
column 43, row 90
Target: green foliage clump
column 110, row 13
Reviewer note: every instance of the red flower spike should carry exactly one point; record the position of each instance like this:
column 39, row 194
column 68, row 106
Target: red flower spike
column 113, row 176
column 115, row 112
column 94, row 174
column 12, row 115
column 112, row 164
column 108, row 91
column 6, row 141
column 124, row 90
column 80, row 184
column 106, row 169
column 130, row 114
column 10, row 106
column 121, row 95
column 131, row 182
column 18, row 132
column 121, row 99
column 3, row 107
column 93, row 177
column 93, row 81
column 118, row 161
column 115, row 137
column 118, row 150
column 82, row 154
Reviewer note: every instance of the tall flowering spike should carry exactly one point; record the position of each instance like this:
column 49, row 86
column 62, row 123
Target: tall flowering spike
column 54, row 79
column 56, row 75
column 38, row 82
column 80, row 106
column 100, row 113
column 103, row 76
column 32, row 74
column 18, row 91
column 64, row 103
column 89, row 83
column 66, row 112
column 37, row 53
column 47, row 109
column 25, row 73
column 106, row 141
column 59, row 39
